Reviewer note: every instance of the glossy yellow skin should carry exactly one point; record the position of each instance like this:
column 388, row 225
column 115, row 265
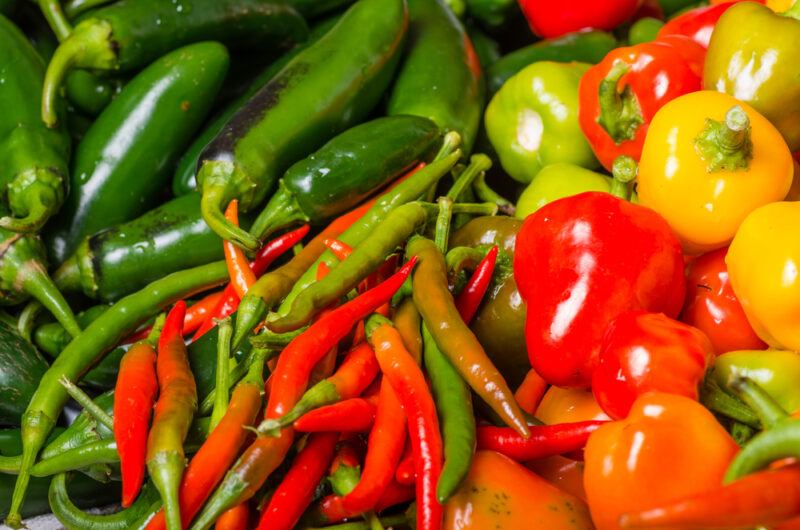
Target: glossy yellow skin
column 764, row 268
column 706, row 208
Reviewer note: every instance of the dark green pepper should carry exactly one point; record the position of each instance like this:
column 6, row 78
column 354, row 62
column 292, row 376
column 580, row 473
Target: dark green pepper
column 327, row 88
column 122, row 163
column 346, row 170
column 7, row 6
column 487, row 49
column 583, row 46
column 21, row 368
column 35, row 159
column 184, row 180
column 122, row 259
column 315, row 8
column 500, row 321
column 440, row 78
column 89, row 92
column 131, row 33
column 493, row 13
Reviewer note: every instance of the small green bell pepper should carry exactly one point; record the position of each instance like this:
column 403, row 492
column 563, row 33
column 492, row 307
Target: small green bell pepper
column 776, row 371
column 644, row 30
column 532, row 121
column 557, row 181
column 750, row 54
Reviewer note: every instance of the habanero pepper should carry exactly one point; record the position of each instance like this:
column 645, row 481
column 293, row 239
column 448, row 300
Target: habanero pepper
column 548, row 19
column 35, row 168
column 621, row 94
column 648, row 352
column 568, row 405
column 725, row 161
column 299, row 110
column 177, row 402
column 712, row 307
column 603, row 256
column 669, row 446
column 129, row 34
column 122, row 162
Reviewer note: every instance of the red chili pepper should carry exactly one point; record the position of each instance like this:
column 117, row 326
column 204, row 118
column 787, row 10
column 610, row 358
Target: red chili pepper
column 384, row 449
column 405, row 473
column 471, row 296
column 350, row 415
column 620, row 95
column 196, row 314
column 712, row 306
column 648, row 352
column 550, row 19
column 530, row 393
column 135, row 394
column 298, row 358
column 601, row 256
column 340, row 249
column 236, row 518
column 229, row 299
column 697, row 24
column 295, row 492
column 409, row 382
column 545, row 440
column 766, row 498
column 238, row 266
column 331, row 509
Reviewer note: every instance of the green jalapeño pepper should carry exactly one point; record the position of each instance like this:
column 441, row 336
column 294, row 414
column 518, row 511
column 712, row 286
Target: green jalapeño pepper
column 21, row 367
column 751, row 64
column 123, row 162
column 346, row 170
column 440, row 78
column 776, row 371
column 132, row 33
column 325, row 89
column 34, row 169
column 532, row 121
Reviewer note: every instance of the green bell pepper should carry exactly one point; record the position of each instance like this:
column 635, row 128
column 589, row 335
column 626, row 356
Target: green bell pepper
column 751, row 52
column 776, row 371
column 557, row 181
column 644, row 30
column 532, row 121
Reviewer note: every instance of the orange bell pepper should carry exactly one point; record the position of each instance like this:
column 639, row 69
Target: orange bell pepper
column 667, row 448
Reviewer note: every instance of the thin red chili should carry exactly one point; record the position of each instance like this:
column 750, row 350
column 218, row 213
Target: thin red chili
column 350, row 415
column 331, row 510
column 236, row 518
column 340, row 249
column 471, row 296
column 195, row 316
column 545, row 440
column 296, row 490
column 238, row 267
column 405, row 473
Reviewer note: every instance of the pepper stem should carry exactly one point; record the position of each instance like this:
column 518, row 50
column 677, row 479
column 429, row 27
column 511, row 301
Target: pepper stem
column 478, row 163
column 166, row 470
column 56, row 19
column 211, row 206
column 485, row 193
column 726, row 145
column 37, row 283
column 322, row 394
column 768, row 410
column 88, row 46
column 27, row 319
column 86, row 402
column 624, row 171
column 717, row 400
column 39, row 208
column 221, row 398
column 374, row 321
column 442, row 233
column 281, row 210
column 620, row 113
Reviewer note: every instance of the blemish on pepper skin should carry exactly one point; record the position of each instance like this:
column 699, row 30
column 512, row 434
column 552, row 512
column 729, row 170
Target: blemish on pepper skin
column 185, row 106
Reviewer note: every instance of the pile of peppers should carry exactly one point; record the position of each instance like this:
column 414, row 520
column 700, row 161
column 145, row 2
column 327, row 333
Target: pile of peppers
column 424, row 264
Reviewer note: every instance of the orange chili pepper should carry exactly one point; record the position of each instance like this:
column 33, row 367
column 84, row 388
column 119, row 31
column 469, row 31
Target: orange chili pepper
column 242, row 276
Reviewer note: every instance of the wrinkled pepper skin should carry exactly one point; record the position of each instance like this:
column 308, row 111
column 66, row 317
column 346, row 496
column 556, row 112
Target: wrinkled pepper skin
column 532, row 121
column 712, row 306
column 122, row 164
column 499, row 323
column 648, row 352
column 776, row 371
column 600, row 256
column 582, row 46
column 620, row 95
column 21, row 367
column 669, row 447
column 751, row 65
column 705, row 194
column 440, row 77
column 556, row 181
column 34, row 172
column 761, row 262
column 553, row 19
column 122, row 259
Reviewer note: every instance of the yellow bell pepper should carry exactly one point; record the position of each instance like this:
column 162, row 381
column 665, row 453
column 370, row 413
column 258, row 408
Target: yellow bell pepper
column 708, row 161
column 764, row 268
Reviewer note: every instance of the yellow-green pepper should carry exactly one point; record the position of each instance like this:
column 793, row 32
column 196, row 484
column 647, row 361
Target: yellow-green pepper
column 776, row 371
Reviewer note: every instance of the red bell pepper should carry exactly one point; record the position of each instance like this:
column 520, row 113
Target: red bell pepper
column 552, row 19
column 712, row 306
column 579, row 263
column 620, row 95
column 697, row 24
column 644, row 352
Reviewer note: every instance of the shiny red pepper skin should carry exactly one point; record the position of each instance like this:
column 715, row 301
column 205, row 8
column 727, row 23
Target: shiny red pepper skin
column 712, row 306
column 552, row 19
column 580, row 262
column 648, row 352
column 646, row 77
column 545, row 440
column 697, row 23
